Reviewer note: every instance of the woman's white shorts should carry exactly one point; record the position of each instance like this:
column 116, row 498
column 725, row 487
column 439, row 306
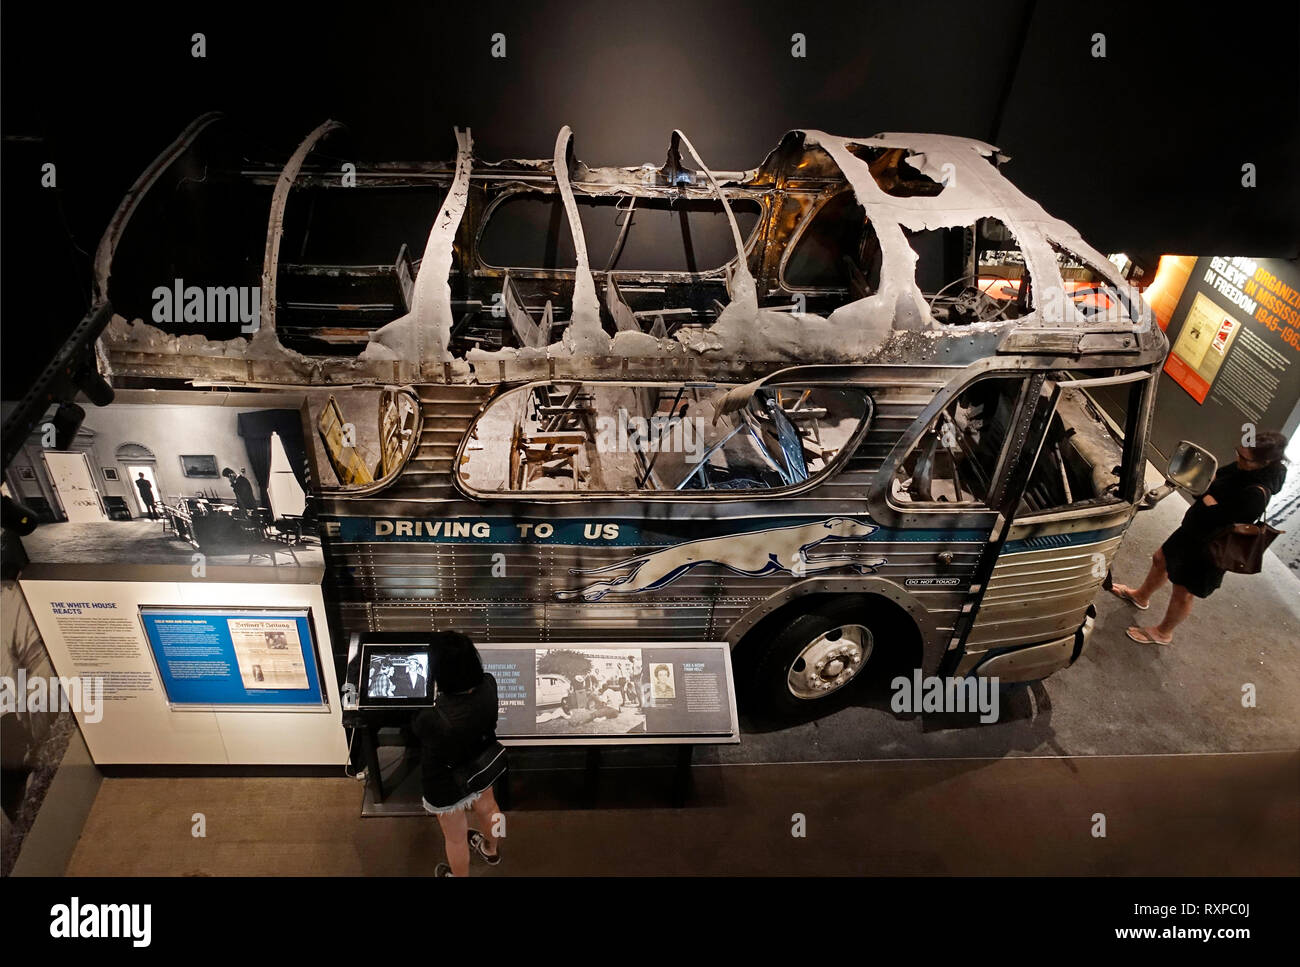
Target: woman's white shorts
column 465, row 803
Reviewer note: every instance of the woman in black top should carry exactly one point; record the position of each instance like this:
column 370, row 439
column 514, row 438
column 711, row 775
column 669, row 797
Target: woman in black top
column 1239, row 494
column 455, row 730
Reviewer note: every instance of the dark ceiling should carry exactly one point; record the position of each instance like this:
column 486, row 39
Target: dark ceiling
column 1141, row 150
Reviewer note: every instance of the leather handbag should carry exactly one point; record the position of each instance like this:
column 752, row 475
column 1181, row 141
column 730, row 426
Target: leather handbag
column 1240, row 548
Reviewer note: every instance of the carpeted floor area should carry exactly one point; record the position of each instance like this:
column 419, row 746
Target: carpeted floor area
column 1167, row 815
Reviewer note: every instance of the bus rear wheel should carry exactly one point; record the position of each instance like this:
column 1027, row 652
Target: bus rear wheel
column 814, row 657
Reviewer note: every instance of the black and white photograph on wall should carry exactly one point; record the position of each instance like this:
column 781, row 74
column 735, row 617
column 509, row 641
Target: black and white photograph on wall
column 151, row 503
column 589, row 691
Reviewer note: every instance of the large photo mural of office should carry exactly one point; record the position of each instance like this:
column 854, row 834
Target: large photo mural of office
column 156, row 484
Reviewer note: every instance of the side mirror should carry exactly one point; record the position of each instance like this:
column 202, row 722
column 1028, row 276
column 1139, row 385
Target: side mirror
column 1191, row 468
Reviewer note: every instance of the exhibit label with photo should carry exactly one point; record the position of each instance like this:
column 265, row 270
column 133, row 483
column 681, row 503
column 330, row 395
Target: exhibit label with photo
column 640, row 691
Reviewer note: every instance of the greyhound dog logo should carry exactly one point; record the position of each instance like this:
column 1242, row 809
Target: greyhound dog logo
column 777, row 550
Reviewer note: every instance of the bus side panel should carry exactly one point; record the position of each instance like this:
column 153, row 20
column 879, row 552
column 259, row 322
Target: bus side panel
column 496, row 590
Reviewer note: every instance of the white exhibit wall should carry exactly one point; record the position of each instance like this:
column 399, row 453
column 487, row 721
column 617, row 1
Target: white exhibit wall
column 137, row 725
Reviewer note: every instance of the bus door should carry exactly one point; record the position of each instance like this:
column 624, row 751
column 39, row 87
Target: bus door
column 1077, row 484
column 946, row 497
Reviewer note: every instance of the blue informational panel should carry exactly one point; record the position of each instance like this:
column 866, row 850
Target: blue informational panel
column 253, row 658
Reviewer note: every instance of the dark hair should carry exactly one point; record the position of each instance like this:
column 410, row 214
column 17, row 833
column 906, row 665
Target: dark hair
column 227, row 472
column 457, row 666
column 1270, row 447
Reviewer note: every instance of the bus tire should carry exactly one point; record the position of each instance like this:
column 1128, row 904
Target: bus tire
column 814, row 658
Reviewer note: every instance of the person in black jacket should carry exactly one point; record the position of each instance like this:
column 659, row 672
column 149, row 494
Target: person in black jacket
column 143, row 485
column 243, row 489
column 1239, row 494
column 461, row 724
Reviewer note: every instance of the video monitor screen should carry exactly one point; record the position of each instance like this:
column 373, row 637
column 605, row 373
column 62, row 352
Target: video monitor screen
column 397, row 675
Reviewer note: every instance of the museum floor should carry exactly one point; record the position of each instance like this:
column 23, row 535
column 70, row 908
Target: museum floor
column 1172, row 815
column 1156, row 739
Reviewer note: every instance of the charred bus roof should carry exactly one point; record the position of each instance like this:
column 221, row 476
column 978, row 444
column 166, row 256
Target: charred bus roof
column 897, row 249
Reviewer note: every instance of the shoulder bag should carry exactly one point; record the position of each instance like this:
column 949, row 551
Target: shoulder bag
column 484, row 768
column 1240, row 548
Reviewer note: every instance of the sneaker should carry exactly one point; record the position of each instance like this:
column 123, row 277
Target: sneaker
column 442, row 869
column 478, row 843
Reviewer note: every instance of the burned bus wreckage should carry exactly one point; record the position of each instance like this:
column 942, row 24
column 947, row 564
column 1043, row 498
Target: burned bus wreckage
column 836, row 409
column 834, row 250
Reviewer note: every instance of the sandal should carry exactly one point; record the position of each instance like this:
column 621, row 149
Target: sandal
column 1127, row 595
column 1143, row 636
column 478, row 843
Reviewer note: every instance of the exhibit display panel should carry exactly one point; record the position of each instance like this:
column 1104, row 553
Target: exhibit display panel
column 562, row 693
column 1235, row 354
column 651, row 690
column 199, row 672
column 234, row 658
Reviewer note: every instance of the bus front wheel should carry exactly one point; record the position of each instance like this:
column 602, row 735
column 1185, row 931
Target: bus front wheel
column 816, row 655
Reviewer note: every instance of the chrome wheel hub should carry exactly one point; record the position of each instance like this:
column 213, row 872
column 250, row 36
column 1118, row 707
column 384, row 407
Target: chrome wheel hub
column 829, row 662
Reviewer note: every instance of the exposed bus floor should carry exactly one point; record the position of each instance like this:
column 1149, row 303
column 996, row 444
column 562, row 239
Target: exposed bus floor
column 974, row 816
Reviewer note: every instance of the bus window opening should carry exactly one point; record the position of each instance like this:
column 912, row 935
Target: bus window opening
column 598, row 437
